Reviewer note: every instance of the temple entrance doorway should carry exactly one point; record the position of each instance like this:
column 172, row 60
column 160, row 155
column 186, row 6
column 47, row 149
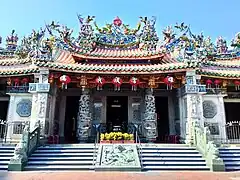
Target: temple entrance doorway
column 117, row 113
column 4, row 110
column 230, row 109
column 161, row 104
column 70, row 124
column 232, row 126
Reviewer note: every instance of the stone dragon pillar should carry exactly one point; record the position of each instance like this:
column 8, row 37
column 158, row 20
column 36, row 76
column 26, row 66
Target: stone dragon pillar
column 150, row 120
column 84, row 117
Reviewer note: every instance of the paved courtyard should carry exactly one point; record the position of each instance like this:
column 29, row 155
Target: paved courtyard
column 119, row 176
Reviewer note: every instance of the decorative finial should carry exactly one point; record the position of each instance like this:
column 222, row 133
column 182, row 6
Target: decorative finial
column 117, row 21
column 11, row 41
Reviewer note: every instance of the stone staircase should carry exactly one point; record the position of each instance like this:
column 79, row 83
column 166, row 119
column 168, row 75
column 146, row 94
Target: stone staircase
column 231, row 158
column 6, row 152
column 171, row 157
column 62, row 157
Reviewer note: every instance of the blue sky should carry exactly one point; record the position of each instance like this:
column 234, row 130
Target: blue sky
column 213, row 17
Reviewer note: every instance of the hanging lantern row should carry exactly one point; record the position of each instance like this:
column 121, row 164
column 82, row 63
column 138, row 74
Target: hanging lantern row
column 117, row 82
column 16, row 81
column 65, row 80
column 169, row 82
column 216, row 83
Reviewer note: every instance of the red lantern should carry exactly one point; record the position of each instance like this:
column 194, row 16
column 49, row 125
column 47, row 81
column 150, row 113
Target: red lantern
column 169, row 82
column 217, row 83
column 16, row 81
column 51, row 78
column 117, row 81
column 24, row 81
column 209, row 83
column 100, row 81
column 237, row 85
column 65, row 80
column 134, row 82
column 9, row 81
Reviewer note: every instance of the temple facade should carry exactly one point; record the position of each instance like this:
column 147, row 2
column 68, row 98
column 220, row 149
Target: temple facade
column 117, row 77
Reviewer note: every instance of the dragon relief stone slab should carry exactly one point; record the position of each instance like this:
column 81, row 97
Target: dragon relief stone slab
column 118, row 157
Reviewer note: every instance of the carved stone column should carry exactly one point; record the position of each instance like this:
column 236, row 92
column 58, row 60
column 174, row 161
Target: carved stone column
column 150, row 120
column 84, row 117
column 40, row 110
column 191, row 106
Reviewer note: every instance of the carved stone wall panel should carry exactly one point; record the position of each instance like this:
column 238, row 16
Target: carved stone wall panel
column 24, row 108
column 213, row 128
column 42, row 109
column 42, row 100
column 209, row 109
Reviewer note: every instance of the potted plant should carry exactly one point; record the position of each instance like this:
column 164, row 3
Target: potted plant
column 128, row 138
column 116, row 137
column 105, row 138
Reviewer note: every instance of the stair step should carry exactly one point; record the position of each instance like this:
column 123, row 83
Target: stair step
column 231, row 163
column 61, row 154
column 6, row 151
column 6, row 154
column 3, row 167
column 64, row 151
column 229, row 148
column 176, row 168
column 230, row 155
column 171, row 151
column 59, row 158
column 167, row 163
column 58, row 167
column 164, row 145
column 229, row 152
column 168, row 148
column 3, row 162
column 83, row 146
column 231, row 159
column 56, row 162
column 176, row 159
column 170, row 155
column 232, row 168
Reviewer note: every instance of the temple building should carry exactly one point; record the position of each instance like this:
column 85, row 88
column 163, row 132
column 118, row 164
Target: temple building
column 117, row 77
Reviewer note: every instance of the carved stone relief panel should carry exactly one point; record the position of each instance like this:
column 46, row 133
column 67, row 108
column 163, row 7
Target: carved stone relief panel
column 209, row 109
column 213, row 128
column 42, row 100
column 24, row 108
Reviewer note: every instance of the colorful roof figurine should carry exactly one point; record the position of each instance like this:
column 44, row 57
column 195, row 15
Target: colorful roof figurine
column 117, row 48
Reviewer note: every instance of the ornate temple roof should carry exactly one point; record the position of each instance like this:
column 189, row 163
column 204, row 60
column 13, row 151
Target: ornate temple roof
column 117, row 48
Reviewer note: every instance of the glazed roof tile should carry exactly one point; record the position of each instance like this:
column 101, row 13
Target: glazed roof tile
column 11, row 61
column 118, row 68
column 64, row 57
column 230, row 74
column 104, row 53
column 18, row 71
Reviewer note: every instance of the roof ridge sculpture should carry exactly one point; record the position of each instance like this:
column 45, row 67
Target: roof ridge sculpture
column 180, row 42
